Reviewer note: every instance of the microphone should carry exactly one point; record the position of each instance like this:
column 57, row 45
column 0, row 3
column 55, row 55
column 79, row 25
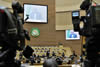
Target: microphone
column 27, row 17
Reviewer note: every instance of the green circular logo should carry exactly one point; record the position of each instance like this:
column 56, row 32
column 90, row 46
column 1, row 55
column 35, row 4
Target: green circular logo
column 35, row 32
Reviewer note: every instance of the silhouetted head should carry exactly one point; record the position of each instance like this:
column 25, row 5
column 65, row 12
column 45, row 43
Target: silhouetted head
column 50, row 63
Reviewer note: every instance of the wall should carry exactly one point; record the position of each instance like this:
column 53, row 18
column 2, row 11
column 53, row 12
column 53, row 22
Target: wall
column 64, row 9
column 65, row 22
column 64, row 19
column 5, row 3
column 63, row 5
column 48, row 33
column 66, row 5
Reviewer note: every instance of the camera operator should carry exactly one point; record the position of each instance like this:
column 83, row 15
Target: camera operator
column 12, row 36
column 91, row 30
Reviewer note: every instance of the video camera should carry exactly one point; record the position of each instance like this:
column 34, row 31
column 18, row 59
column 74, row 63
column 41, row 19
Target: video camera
column 12, row 35
column 91, row 30
column 91, row 20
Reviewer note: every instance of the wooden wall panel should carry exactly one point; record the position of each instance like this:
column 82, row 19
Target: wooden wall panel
column 63, row 20
column 5, row 3
column 48, row 33
column 67, row 5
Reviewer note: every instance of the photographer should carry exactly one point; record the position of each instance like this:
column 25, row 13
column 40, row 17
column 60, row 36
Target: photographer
column 91, row 30
column 12, row 36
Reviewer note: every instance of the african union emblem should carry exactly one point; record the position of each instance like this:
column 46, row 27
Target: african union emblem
column 35, row 32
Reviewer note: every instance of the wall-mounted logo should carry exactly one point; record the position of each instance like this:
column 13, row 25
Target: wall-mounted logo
column 35, row 32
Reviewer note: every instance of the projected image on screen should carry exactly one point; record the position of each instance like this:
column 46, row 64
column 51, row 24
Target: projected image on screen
column 74, row 14
column 35, row 13
column 72, row 35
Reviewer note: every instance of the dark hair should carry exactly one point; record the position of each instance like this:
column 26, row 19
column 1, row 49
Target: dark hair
column 50, row 63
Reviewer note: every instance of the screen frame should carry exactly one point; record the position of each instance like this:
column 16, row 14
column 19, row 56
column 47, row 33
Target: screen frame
column 75, row 12
column 76, row 17
column 37, row 5
column 67, row 38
